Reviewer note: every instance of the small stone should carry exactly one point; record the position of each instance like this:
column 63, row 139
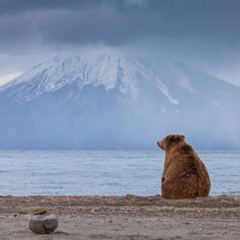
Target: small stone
column 33, row 210
column 43, row 224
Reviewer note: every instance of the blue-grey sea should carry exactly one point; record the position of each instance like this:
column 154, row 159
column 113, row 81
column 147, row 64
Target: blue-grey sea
column 104, row 172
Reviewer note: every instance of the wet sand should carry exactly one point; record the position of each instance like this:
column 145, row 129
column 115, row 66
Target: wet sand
column 123, row 217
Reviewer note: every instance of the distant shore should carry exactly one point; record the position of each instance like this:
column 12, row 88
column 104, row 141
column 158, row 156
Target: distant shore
column 125, row 217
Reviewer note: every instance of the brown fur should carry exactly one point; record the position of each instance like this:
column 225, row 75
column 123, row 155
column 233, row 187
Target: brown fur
column 184, row 174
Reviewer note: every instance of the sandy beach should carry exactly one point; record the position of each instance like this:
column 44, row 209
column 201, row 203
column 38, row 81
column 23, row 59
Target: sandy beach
column 123, row 217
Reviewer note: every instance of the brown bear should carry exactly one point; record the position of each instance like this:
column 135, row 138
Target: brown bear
column 184, row 175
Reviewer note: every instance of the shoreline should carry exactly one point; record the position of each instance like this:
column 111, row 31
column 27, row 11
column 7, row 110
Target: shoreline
column 124, row 217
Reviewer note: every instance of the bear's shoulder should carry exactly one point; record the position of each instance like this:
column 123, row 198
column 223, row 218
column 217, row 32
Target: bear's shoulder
column 185, row 148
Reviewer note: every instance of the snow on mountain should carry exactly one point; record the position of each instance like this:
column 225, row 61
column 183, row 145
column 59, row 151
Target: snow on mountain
column 111, row 70
column 109, row 99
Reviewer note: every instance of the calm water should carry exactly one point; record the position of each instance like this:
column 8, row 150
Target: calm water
column 103, row 172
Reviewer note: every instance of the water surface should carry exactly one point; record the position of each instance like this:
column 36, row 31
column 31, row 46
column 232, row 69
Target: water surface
column 104, row 172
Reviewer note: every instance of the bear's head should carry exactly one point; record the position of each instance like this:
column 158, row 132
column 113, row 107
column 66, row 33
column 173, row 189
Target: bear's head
column 170, row 141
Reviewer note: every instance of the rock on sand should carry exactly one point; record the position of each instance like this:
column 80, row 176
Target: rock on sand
column 43, row 224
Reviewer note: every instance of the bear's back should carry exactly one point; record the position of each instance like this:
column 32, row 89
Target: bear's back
column 185, row 175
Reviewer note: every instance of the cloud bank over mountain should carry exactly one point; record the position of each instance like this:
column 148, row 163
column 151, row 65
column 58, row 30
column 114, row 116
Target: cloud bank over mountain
column 187, row 53
column 203, row 33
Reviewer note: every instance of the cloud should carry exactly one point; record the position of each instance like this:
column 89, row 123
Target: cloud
column 13, row 6
column 117, row 22
column 196, row 30
column 4, row 78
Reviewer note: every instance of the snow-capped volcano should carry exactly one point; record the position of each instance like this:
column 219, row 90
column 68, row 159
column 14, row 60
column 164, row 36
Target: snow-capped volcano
column 112, row 70
column 109, row 99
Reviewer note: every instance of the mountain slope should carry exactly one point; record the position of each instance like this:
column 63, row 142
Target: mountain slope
column 109, row 100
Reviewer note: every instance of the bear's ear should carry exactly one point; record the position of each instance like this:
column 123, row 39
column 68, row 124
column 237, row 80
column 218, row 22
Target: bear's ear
column 182, row 136
column 173, row 137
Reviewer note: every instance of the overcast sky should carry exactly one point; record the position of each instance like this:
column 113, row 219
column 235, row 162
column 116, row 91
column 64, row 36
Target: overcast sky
column 205, row 33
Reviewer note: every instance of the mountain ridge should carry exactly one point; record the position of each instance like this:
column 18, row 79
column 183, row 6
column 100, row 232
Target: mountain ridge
column 123, row 101
column 55, row 74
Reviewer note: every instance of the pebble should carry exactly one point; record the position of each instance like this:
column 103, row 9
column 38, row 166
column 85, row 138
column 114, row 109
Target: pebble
column 33, row 210
column 43, row 224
